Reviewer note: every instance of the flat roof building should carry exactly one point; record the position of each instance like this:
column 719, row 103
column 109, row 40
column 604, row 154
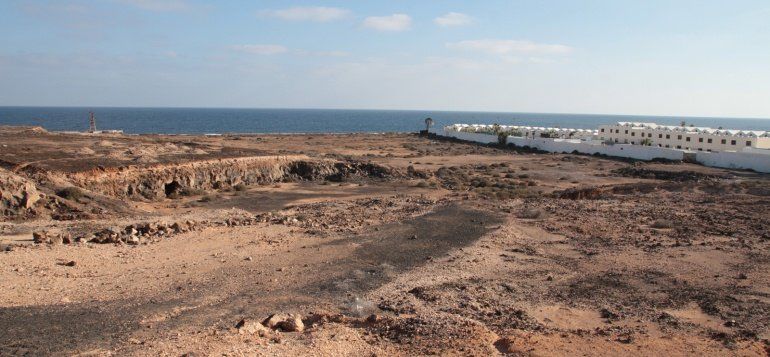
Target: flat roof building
column 683, row 137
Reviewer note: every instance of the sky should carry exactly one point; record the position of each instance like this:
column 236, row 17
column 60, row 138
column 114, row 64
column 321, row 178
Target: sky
column 646, row 57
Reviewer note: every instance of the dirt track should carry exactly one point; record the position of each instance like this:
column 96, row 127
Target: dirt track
column 434, row 248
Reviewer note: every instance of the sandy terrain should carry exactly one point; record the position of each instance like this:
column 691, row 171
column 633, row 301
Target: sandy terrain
column 367, row 244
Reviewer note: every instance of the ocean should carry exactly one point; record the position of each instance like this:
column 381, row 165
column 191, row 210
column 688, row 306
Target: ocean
column 224, row 120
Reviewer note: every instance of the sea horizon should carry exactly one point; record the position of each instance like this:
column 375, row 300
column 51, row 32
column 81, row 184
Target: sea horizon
column 386, row 110
column 204, row 120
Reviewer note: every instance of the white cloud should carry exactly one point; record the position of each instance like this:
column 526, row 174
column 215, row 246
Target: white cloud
column 392, row 23
column 159, row 5
column 453, row 19
column 321, row 53
column 260, row 49
column 315, row 13
column 507, row 47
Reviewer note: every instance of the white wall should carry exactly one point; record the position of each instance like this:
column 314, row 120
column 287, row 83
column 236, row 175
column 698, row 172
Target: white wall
column 756, row 151
column 735, row 160
column 630, row 151
column 475, row 137
column 759, row 162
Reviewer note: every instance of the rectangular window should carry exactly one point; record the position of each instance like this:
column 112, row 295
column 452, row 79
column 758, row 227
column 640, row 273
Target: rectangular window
column 699, row 149
column 748, row 143
column 602, row 130
column 649, row 135
column 709, row 141
column 700, row 140
column 668, row 146
column 678, row 137
column 724, row 141
column 679, row 146
column 732, row 142
column 688, row 138
column 668, row 136
column 633, row 134
column 626, row 131
column 660, row 136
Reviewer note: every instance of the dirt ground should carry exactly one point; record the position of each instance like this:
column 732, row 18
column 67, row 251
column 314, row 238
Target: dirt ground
column 376, row 244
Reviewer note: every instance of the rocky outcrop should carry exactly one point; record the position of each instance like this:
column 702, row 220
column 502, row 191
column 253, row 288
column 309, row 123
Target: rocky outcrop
column 17, row 194
column 167, row 180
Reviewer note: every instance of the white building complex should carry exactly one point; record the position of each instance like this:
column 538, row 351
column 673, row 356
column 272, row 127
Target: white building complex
column 739, row 149
column 684, row 137
column 527, row 131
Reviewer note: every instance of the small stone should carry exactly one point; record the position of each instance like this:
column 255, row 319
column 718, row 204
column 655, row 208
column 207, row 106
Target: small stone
column 70, row 263
column 413, row 237
column 55, row 239
column 247, row 326
column 285, row 322
column 248, row 259
column 40, row 237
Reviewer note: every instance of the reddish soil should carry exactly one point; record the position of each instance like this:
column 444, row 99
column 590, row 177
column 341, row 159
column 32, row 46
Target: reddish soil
column 412, row 246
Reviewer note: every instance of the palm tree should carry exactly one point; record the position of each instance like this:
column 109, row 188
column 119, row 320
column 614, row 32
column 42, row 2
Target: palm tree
column 428, row 124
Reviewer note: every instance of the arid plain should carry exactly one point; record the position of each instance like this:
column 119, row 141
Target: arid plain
column 372, row 244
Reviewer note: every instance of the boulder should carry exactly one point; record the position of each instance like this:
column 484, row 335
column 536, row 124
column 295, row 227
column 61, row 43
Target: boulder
column 17, row 193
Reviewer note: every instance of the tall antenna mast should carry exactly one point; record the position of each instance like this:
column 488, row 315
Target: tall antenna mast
column 92, row 122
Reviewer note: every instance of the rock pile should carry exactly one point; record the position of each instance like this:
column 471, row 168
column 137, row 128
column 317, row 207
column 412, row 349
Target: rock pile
column 137, row 233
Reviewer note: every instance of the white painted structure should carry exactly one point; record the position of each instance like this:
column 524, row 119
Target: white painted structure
column 756, row 159
column 684, row 137
column 527, row 131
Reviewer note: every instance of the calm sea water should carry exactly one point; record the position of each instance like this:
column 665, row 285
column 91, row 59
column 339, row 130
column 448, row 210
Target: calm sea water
column 220, row 120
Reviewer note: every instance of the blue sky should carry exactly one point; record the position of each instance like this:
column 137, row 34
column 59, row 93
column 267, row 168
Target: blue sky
column 696, row 58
